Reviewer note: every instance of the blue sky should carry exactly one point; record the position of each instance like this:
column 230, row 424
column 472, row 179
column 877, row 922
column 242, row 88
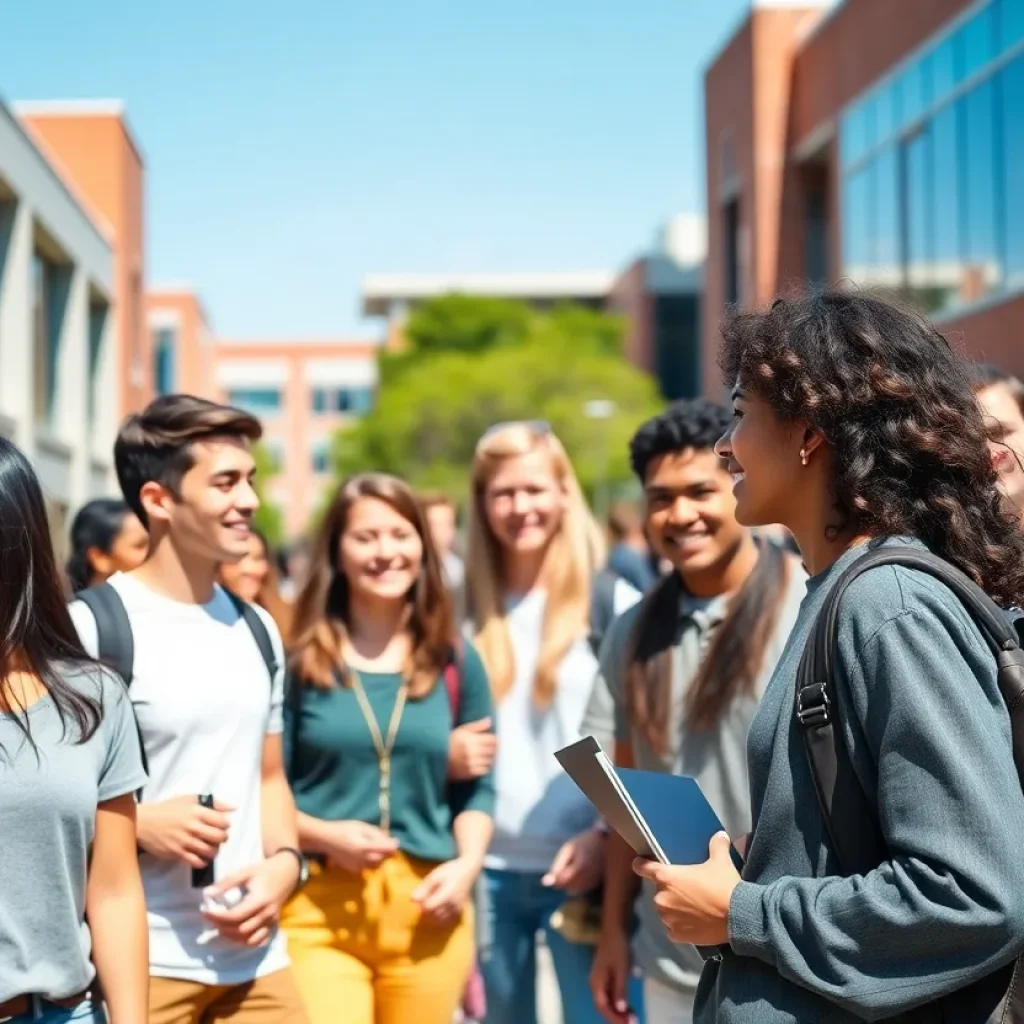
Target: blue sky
column 289, row 153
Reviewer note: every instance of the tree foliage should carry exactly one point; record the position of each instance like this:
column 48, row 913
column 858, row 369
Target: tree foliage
column 474, row 362
column 268, row 519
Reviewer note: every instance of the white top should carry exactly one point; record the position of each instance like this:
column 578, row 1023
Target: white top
column 539, row 807
column 204, row 704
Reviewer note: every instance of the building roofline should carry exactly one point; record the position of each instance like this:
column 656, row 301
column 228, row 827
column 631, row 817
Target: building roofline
column 99, row 223
column 82, row 108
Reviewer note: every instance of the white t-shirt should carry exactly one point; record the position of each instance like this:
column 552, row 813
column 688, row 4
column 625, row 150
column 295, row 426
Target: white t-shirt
column 204, row 704
column 539, row 807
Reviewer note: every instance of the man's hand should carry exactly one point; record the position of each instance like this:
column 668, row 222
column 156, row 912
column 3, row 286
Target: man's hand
column 609, row 976
column 693, row 902
column 443, row 893
column 267, row 886
column 354, row 845
column 471, row 750
column 578, row 866
column 183, row 829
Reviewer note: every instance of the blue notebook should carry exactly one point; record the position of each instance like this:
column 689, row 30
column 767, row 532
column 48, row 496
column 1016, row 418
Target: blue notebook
column 662, row 817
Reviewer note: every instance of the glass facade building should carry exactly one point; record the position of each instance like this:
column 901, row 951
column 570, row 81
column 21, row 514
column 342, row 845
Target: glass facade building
column 931, row 174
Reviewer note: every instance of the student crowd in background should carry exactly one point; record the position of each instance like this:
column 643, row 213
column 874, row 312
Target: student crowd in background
column 321, row 786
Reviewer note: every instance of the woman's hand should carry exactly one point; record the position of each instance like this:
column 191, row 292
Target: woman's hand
column 354, row 845
column 578, row 866
column 443, row 893
column 471, row 750
column 693, row 901
column 609, row 976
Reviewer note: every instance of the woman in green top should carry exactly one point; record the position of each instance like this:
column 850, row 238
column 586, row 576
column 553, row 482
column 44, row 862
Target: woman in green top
column 384, row 928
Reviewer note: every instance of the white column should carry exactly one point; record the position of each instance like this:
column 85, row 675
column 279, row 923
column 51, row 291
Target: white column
column 17, row 394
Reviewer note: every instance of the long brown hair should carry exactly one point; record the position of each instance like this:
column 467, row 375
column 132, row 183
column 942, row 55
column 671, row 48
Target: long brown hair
column 322, row 610
column 731, row 665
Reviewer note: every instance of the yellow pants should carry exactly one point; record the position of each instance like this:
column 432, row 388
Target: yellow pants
column 362, row 954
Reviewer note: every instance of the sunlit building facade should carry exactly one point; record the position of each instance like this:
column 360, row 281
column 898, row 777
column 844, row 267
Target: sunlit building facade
column 875, row 142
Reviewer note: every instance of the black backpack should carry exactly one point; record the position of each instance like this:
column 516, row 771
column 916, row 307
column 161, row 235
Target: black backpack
column 116, row 645
column 999, row 997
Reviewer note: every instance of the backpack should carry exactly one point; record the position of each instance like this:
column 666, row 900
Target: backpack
column 997, row 998
column 116, row 645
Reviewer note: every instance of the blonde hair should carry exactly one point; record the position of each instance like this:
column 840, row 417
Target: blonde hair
column 576, row 551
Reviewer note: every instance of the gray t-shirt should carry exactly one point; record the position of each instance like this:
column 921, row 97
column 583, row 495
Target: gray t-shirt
column 716, row 757
column 48, row 801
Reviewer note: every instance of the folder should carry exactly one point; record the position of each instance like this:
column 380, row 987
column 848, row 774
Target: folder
column 662, row 817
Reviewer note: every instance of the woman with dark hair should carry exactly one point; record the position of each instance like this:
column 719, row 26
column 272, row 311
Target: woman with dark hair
column 106, row 537
column 681, row 676
column 73, row 918
column 856, row 427
column 385, row 927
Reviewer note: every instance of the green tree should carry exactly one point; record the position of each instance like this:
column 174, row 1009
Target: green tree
column 268, row 519
column 430, row 415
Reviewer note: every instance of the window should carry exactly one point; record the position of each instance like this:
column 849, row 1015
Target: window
column 51, row 284
column 321, row 457
column 917, row 228
column 355, row 400
column 1012, row 123
column 258, row 401
column 977, row 43
column 858, row 224
column 982, row 271
column 946, row 218
column 1010, row 23
column 98, row 313
column 164, row 345
column 816, row 236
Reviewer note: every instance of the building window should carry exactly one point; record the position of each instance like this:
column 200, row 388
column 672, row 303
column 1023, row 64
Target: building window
column 164, row 347
column 321, row 457
column 98, row 313
column 935, row 209
column 1011, row 122
column 258, row 401
column 355, row 401
column 816, row 236
column 51, row 284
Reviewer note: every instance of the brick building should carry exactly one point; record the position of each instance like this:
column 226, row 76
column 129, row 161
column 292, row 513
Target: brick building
column 874, row 141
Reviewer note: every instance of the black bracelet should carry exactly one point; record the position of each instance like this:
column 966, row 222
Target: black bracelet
column 303, row 864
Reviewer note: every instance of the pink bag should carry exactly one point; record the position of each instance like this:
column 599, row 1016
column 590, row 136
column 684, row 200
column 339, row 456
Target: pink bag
column 474, row 999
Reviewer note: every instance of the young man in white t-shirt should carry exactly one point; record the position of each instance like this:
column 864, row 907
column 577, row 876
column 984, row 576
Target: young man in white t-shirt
column 209, row 715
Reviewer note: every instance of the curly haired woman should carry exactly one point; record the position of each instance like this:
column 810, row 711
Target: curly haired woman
column 855, row 425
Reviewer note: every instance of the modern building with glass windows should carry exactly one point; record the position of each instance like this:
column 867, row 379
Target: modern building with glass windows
column 877, row 142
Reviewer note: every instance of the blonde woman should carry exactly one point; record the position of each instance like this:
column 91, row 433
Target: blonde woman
column 533, row 551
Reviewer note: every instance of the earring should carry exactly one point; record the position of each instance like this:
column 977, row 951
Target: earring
column 803, row 456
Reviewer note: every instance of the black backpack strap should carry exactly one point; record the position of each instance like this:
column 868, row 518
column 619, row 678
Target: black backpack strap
column 819, row 711
column 115, row 643
column 260, row 634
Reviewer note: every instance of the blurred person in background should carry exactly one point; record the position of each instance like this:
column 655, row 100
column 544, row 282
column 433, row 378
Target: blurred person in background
column 681, row 676
column 106, row 537
column 296, row 568
column 255, row 579
column 533, row 551
column 384, row 932
column 1001, row 397
column 442, row 516
column 630, row 554
column 73, row 916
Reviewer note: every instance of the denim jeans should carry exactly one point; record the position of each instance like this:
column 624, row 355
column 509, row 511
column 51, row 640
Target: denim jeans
column 86, row 1012
column 515, row 907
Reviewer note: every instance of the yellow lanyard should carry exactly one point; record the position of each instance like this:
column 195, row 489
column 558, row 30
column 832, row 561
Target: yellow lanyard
column 383, row 747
